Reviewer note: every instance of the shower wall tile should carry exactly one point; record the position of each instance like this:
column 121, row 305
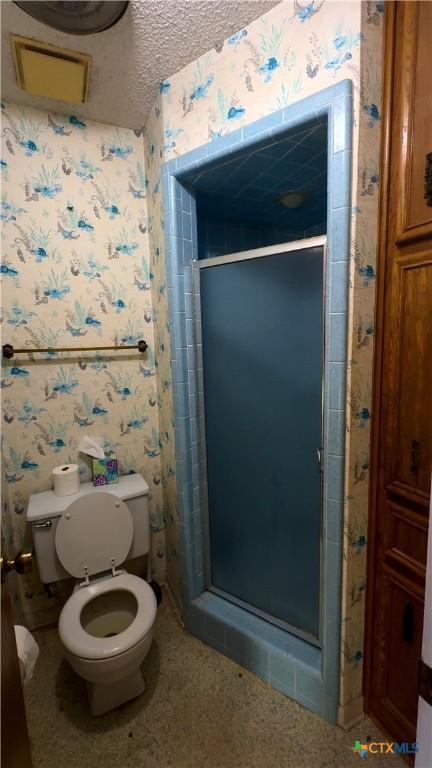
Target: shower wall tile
column 187, row 247
column 341, row 169
column 332, row 639
column 336, row 385
column 339, row 272
column 186, row 226
column 340, row 236
column 77, row 272
column 226, row 142
column 257, row 657
column 268, row 122
column 235, row 643
column 314, row 705
column 307, row 685
column 334, row 605
column 342, row 133
column 335, row 470
column 334, row 523
column 214, row 630
column 332, row 569
column 217, row 236
column 186, row 200
column 282, row 672
column 337, row 353
column 195, row 619
column 336, row 433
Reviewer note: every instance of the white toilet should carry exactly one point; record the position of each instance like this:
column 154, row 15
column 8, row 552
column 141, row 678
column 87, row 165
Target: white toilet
column 106, row 626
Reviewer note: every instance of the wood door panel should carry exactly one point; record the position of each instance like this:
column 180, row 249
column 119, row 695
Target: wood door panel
column 408, row 537
column 418, row 212
column 413, row 445
column 394, row 694
column 416, row 499
column 413, row 113
column 403, row 654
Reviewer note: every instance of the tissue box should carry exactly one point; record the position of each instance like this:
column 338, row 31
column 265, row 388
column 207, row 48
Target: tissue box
column 105, row 471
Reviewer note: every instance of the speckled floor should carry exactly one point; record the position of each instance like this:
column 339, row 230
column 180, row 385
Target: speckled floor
column 200, row 710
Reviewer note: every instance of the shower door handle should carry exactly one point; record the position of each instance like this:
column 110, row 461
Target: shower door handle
column 320, row 459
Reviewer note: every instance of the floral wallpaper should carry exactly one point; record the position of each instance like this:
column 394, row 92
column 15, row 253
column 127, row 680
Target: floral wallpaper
column 76, row 272
column 83, row 256
column 296, row 49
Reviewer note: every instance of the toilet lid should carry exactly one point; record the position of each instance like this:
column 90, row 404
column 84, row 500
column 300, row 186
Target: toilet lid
column 94, row 533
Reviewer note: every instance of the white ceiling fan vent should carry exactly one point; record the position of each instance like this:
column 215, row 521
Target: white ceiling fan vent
column 76, row 17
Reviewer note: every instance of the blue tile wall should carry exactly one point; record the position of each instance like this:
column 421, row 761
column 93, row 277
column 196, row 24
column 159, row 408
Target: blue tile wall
column 219, row 236
column 307, row 673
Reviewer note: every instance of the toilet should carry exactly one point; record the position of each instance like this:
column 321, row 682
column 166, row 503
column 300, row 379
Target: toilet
column 106, row 626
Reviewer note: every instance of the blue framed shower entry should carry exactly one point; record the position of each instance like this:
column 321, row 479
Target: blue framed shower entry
column 306, row 673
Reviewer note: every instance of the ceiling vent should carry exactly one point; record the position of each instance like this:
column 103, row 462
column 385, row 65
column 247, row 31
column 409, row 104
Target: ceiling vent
column 79, row 17
column 45, row 70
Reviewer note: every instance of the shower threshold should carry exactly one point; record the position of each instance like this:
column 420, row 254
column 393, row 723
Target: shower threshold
column 268, row 617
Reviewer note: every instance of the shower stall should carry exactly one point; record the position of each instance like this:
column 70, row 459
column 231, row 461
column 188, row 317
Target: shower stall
column 258, row 297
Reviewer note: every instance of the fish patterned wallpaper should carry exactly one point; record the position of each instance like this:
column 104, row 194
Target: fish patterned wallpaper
column 76, row 272
column 294, row 50
column 83, row 255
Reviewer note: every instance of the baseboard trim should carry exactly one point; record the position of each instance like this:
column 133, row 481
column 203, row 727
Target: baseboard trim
column 352, row 713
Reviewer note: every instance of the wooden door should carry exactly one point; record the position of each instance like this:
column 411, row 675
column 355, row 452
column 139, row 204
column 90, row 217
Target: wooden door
column 15, row 745
column 402, row 431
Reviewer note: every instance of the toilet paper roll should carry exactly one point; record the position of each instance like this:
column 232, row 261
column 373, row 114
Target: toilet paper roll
column 28, row 652
column 66, row 479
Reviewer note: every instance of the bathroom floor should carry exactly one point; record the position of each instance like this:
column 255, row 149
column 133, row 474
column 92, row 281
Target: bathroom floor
column 200, row 710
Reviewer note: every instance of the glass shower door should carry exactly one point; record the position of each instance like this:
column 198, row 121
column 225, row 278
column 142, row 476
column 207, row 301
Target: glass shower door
column 262, row 336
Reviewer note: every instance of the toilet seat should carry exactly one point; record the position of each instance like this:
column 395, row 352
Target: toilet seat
column 79, row 642
column 93, row 538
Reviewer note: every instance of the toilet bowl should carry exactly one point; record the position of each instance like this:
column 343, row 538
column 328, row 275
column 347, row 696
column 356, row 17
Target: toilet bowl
column 106, row 626
column 106, row 629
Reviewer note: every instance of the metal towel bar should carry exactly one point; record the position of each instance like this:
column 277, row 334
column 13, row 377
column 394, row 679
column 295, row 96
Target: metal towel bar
column 9, row 351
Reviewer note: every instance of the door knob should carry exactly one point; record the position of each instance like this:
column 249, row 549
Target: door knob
column 21, row 563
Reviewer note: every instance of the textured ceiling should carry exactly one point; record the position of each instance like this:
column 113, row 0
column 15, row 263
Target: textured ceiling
column 154, row 39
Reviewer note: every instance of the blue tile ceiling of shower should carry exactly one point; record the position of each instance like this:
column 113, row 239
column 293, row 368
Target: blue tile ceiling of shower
column 247, row 187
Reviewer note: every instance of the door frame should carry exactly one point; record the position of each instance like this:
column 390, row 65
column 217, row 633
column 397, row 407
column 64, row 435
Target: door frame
column 386, row 128
column 289, row 663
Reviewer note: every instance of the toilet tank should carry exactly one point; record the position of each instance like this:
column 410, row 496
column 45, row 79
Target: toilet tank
column 45, row 509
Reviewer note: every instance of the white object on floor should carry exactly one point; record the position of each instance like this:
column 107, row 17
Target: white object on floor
column 28, row 652
column 66, row 479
